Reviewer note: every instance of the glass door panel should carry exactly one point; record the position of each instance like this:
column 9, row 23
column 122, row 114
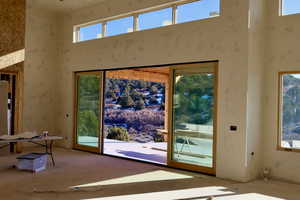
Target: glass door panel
column 193, row 114
column 88, row 111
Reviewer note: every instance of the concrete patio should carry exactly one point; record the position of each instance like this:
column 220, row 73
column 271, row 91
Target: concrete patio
column 155, row 152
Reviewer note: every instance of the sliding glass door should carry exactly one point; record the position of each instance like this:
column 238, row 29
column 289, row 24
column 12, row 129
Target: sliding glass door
column 148, row 113
column 192, row 117
column 88, row 119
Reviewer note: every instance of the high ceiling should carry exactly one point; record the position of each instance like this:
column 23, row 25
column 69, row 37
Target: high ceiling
column 66, row 5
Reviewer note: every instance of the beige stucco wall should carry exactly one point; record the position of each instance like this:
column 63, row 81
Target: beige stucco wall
column 256, row 53
column 282, row 54
column 40, row 99
column 224, row 38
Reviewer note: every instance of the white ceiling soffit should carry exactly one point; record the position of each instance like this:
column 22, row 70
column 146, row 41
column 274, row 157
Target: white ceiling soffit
column 66, row 5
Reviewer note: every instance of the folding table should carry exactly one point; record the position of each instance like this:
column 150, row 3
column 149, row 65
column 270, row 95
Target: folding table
column 44, row 141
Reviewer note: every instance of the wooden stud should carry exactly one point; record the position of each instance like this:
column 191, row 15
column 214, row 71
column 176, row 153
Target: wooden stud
column 17, row 71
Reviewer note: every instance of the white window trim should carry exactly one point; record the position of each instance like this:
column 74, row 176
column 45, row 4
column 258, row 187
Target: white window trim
column 174, row 14
column 280, row 8
column 135, row 15
column 104, row 29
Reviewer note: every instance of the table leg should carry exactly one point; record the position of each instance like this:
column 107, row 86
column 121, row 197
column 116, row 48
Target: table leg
column 49, row 150
column 46, row 147
column 12, row 147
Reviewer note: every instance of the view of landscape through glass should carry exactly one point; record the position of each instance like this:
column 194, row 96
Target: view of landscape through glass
column 290, row 111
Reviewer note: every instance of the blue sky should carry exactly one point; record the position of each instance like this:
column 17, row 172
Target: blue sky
column 187, row 12
column 155, row 19
column 90, row 32
column 290, row 7
column 119, row 26
column 197, row 10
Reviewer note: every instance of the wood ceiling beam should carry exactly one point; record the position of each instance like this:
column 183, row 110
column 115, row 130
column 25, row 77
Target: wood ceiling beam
column 132, row 74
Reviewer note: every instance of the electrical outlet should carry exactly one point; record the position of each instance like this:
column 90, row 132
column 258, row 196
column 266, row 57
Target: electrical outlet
column 233, row 128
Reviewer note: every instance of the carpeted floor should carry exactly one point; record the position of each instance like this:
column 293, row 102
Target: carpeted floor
column 80, row 175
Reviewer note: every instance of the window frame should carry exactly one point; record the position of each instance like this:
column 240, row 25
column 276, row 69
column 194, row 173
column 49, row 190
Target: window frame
column 105, row 28
column 180, row 4
column 77, row 31
column 146, row 12
column 280, row 5
column 280, row 113
column 135, row 15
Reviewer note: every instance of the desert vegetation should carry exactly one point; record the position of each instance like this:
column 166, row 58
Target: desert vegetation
column 134, row 106
column 291, row 108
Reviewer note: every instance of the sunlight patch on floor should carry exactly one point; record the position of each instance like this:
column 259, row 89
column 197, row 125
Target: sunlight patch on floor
column 214, row 192
column 247, row 196
column 159, row 175
column 203, row 192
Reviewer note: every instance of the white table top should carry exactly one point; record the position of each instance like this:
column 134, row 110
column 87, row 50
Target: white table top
column 36, row 139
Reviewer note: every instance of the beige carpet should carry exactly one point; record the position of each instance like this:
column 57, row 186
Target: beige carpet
column 80, row 175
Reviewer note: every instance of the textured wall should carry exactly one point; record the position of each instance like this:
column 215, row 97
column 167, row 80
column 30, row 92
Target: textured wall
column 236, row 39
column 12, row 26
column 283, row 47
column 251, row 52
column 40, row 70
column 256, row 55
column 224, row 38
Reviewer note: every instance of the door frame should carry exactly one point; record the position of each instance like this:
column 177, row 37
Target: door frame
column 75, row 110
column 17, row 101
column 186, row 166
column 170, row 163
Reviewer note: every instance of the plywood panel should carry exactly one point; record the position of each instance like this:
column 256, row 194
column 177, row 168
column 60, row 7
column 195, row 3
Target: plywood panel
column 12, row 26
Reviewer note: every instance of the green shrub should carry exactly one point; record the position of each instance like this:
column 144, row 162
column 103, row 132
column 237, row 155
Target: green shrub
column 158, row 137
column 88, row 123
column 126, row 101
column 117, row 133
column 139, row 104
